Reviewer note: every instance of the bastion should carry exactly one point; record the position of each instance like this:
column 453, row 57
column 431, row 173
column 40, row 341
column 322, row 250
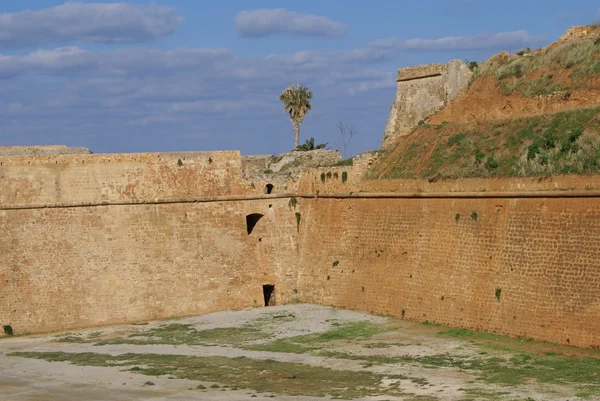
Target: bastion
column 421, row 91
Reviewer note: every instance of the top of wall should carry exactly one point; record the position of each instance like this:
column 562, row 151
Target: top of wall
column 85, row 178
column 421, row 71
column 16, row 158
column 41, row 150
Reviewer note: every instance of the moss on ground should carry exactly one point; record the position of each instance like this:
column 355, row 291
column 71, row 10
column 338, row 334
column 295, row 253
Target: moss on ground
column 499, row 366
column 264, row 376
column 310, row 342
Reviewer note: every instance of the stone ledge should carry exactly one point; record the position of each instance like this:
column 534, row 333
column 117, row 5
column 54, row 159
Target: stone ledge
column 421, row 71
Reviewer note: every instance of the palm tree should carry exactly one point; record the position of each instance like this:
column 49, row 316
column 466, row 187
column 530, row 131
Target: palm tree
column 296, row 99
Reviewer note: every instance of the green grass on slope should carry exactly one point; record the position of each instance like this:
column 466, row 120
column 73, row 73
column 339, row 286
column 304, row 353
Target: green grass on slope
column 562, row 143
column 578, row 58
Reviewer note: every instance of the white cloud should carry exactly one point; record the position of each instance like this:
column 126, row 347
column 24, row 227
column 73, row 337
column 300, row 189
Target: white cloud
column 143, row 99
column 481, row 41
column 266, row 22
column 392, row 48
column 88, row 22
column 61, row 59
column 146, row 99
column 159, row 119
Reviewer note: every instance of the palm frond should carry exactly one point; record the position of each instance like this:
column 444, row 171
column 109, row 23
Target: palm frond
column 296, row 100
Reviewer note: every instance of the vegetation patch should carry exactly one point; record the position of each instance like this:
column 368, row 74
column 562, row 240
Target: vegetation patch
column 583, row 373
column 502, row 367
column 263, row 376
column 345, row 162
column 578, row 58
column 561, row 143
column 178, row 334
column 310, row 342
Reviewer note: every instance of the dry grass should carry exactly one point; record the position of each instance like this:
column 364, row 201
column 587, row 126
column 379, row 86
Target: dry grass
column 562, row 143
column 542, row 72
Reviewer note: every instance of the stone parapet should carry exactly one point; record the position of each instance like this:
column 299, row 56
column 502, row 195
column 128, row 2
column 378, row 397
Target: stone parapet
column 41, row 150
column 420, row 71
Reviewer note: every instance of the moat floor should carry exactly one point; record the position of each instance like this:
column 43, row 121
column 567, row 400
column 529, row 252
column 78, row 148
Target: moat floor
column 292, row 352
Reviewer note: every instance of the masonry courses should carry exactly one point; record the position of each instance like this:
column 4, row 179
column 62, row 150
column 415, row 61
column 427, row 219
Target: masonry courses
column 90, row 240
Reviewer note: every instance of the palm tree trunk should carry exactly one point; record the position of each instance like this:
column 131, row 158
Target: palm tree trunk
column 296, row 135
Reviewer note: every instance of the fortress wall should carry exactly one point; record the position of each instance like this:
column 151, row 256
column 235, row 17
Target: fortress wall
column 118, row 177
column 522, row 267
column 421, row 91
column 66, row 268
column 70, row 267
column 356, row 183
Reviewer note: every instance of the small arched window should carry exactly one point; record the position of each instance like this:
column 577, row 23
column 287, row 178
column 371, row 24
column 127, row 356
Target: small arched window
column 269, row 188
column 251, row 221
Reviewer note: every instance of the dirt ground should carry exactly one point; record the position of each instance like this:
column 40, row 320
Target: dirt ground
column 292, row 352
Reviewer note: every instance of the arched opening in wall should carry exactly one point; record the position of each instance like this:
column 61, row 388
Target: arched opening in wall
column 269, row 188
column 251, row 221
column 269, row 294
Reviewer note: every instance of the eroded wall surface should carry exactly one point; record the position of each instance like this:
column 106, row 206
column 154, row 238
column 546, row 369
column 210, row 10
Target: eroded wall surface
column 31, row 180
column 69, row 262
column 522, row 267
column 90, row 240
column 421, row 91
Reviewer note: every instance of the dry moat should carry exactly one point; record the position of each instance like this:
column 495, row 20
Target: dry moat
column 292, row 352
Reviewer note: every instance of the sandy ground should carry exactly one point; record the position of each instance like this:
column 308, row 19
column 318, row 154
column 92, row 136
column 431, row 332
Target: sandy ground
column 33, row 379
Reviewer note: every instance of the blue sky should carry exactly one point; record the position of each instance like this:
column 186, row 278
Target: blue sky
column 197, row 75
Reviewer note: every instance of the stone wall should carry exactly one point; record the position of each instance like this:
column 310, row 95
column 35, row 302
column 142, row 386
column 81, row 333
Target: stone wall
column 65, row 268
column 423, row 90
column 118, row 177
column 41, row 150
column 522, row 267
column 105, row 239
column 91, row 240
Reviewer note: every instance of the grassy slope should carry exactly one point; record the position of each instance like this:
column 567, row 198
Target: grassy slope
column 562, row 67
column 564, row 143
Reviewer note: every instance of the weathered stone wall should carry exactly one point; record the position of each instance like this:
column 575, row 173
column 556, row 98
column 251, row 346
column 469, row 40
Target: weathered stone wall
column 70, row 261
column 423, row 90
column 522, row 267
column 83, row 267
column 91, row 240
column 253, row 163
column 114, row 177
column 41, row 150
